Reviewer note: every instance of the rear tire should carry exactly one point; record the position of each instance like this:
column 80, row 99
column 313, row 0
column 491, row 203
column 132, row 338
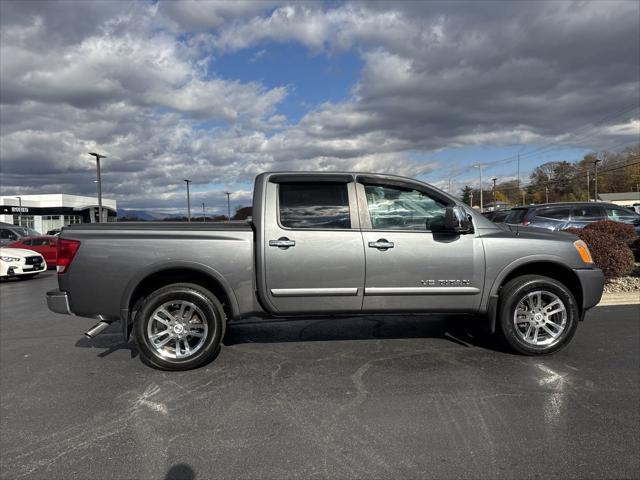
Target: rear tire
column 537, row 315
column 179, row 327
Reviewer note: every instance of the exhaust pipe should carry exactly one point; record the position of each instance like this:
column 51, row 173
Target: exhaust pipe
column 94, row 331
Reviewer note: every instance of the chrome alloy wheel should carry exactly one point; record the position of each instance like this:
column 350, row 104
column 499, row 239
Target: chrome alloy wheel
column 540, row 318
column 177, row 329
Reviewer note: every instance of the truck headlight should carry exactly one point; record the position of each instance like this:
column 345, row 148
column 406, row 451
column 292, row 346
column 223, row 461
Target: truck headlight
column 583, row 251
column 10, row 259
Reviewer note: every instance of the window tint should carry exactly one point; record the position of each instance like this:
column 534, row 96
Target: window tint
column 517, row 215
column 314, row 205
column 620, row 214
column 499, row 217
column 6, row 234
column 39, row 242
column 395, row 208
column 554, row 213
column 27, row 241
column 588, row 212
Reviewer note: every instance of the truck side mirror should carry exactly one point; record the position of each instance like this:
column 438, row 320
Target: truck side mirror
column 455, row 221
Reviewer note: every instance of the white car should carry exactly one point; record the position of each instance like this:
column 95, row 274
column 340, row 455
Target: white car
column 19, row 262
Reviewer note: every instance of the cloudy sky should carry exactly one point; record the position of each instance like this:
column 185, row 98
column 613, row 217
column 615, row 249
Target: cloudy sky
column 220, row 91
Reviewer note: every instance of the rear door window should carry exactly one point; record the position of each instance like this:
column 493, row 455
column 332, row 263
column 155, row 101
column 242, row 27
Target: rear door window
column 587, row 212
column 517, row 216
column 314, row 205
column 554, row 213
column 6, row 234
column 620, row 214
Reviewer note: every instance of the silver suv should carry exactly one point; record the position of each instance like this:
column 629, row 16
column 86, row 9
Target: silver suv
column 558, row 216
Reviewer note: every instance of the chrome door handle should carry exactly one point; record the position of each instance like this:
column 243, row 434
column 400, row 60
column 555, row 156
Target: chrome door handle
column 381, row 244
column 283, row 243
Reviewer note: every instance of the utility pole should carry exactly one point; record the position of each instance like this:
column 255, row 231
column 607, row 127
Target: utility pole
column 518, row 170
column 98, row 157
column 187, row 181
column 228, row 194
column 203, row 214
column 494, row 193
column 588, row 187
column 595, row 186
column 471, row 199
column 546, row 192
column 524, row 194
column 479, row 166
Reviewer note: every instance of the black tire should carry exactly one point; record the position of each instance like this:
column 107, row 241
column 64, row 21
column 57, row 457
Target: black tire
column 213, row 314
column 515, row 291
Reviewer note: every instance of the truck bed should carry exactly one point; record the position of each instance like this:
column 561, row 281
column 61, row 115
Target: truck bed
column 114, row 258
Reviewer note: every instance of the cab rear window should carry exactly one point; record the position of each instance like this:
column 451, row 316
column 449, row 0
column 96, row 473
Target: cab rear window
column 314, row 205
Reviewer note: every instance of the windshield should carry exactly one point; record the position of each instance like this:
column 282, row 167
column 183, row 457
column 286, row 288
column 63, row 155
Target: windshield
column 26, row 231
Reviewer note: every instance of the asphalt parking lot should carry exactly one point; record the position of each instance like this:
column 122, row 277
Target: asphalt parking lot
column 376, row 397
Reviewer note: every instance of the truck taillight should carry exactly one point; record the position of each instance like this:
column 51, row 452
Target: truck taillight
column 66, row 251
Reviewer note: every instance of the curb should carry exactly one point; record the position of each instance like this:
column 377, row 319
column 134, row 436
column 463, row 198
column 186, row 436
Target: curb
column 621, row 298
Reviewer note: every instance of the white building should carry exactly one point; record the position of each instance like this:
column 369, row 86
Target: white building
column 625, row 199
column 46, row 212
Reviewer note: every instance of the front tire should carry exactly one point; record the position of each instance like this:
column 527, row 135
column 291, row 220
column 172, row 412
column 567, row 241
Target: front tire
column 179, row 327
column 537, row 315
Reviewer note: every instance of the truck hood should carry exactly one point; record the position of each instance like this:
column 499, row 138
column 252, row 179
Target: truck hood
column 540, row 233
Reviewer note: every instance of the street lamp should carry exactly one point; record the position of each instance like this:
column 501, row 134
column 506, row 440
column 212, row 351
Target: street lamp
column 187, row 181
column 228, row 194
column 19, row 211
column 98, row 157
column 595, row 185
column 494, row 193
column 479, row 166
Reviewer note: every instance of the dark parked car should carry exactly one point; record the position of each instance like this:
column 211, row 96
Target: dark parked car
column 10, row 233
column 497, row 216
column 558, row 216
column 43, row 244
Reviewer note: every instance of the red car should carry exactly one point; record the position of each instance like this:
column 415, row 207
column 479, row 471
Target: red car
column 45, row 245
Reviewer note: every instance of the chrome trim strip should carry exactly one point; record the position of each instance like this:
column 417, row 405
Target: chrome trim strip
column 373, row 291
column 314, row 292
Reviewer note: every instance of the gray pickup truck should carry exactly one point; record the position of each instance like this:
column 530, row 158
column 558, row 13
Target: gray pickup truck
column 324, row 244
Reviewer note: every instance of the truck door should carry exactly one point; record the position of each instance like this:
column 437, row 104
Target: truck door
column 313, row 251
column 408, row 267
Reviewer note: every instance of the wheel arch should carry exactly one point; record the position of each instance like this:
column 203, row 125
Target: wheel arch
column 158, row 276
column 553, row 268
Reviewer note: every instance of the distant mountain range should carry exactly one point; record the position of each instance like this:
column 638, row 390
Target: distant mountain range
column 143, row 215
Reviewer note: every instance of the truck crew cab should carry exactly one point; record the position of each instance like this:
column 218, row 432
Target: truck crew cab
column 324, row 244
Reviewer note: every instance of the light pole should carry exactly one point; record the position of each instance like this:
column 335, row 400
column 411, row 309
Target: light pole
column 479, row 167
column 595, row 184
column 19, row 211
column 203, row 214
column 187, row 181
column 99, row 183
column 228, row 194
column 494, row 193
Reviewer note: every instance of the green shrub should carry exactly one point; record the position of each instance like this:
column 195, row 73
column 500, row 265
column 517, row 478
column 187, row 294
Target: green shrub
column 622, row 232
column 609, row 254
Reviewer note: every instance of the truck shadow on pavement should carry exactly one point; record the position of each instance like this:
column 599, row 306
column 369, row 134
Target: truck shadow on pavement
column 463, row 330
